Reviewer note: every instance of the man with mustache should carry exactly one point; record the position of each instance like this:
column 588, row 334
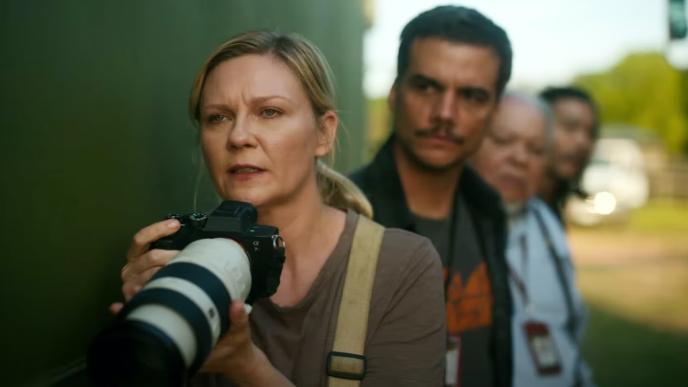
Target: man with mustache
column 575, row 132
column 453, row 65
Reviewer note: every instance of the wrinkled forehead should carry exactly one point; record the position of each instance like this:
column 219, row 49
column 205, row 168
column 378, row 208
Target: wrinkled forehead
column 254, row 75
column 520, row 118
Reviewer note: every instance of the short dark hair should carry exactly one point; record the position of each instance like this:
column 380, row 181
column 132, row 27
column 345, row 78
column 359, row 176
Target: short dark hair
column 552, row 95
column 461, row 25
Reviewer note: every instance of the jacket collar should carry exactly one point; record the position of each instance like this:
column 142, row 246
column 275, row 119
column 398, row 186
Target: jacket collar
column 389, row 200
column 387, row 193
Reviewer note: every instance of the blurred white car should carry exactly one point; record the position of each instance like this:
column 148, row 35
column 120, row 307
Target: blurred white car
column 616, row 181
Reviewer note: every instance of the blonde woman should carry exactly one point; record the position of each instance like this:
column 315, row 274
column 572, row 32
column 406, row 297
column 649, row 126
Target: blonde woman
column 264, row 105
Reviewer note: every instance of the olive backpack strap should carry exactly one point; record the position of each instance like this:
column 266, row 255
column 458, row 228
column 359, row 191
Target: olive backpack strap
column 346, row 363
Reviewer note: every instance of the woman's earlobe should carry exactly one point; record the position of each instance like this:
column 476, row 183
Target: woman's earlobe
column 327, row 133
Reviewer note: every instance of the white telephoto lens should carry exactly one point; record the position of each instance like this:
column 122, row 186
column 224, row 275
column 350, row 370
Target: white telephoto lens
column 226, row 259
column 228, row 262
column 172, row 324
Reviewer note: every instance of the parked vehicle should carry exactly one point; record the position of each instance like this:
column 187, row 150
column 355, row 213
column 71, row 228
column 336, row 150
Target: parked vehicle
column 616, row 182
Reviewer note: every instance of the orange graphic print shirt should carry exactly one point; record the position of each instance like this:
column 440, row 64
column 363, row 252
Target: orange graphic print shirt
column 469, row 304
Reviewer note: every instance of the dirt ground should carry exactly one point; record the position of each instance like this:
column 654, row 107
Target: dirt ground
column 643, row 277
column 635, row 285
column 592, row 247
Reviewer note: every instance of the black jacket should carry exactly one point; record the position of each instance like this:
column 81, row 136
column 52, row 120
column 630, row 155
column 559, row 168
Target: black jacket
column 380, row 182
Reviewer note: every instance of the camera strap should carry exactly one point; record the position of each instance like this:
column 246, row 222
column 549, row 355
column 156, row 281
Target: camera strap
column 346, row 363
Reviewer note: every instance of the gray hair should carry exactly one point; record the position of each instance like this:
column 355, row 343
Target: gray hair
column 540, row 105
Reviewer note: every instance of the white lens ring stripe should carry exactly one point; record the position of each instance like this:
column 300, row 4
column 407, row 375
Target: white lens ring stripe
column 172, row 324
column 197, row 296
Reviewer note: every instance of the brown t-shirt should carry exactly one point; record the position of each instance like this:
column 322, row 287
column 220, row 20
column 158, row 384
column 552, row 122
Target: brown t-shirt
column 405, row 342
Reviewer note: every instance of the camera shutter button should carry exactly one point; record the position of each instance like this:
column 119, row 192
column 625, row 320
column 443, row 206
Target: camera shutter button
column 197, row 219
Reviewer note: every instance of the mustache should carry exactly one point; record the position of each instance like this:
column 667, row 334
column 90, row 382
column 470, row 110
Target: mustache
column 443, row 131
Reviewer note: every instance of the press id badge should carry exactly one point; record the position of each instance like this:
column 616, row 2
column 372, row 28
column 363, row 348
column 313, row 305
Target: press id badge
column 542, row 348
column 453, row 362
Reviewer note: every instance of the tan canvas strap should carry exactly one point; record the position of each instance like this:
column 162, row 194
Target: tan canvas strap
column 346, row 364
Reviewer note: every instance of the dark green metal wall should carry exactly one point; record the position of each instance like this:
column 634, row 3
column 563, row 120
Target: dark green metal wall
column 96, row 143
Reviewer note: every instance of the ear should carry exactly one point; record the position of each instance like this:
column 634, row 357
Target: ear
column 327, row 133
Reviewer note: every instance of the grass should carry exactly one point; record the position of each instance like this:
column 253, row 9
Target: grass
column 663, row 216
column 651, row 293
column 634, row 278
column 624, row 353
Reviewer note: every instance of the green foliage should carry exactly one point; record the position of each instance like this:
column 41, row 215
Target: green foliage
column 644, row 91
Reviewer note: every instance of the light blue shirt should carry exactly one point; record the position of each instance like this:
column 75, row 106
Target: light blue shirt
column 544, row 300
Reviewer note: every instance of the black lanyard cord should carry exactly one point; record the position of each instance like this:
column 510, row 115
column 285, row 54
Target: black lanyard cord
column 451, row 245
column 571, row 323
column 520, row 281
column 453, row 226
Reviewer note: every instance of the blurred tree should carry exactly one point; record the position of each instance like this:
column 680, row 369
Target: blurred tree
column 645, row 91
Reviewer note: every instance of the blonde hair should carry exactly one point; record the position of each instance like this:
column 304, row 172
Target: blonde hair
column 311, row 68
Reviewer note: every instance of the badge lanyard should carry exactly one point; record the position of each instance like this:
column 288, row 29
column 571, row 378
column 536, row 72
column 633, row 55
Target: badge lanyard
column 453, row 365
column 541, row 344
column 521, row 280
column 571, row 323
column 452, row 375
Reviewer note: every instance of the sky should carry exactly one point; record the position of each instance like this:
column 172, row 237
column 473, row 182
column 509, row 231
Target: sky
column 553, row 40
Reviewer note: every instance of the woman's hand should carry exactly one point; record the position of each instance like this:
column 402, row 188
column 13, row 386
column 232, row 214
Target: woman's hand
column 143, row 263
column 236, row 357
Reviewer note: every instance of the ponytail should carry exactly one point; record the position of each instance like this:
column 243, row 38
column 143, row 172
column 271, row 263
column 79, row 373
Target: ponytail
column 338, row 191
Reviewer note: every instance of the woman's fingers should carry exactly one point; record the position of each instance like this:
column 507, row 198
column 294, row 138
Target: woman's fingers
column 129, row 289
column 234, row 350
column 138, row 272
column 138, row 281
column 133, row 270
column 115, row 307
column 238, row 316
column 143, row 263
column 238, row 333
column 147, row 235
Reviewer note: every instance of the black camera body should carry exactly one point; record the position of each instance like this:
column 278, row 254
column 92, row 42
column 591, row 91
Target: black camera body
column 237, row 221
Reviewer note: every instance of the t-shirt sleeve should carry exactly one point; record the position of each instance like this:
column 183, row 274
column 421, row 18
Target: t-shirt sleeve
column 406, row 338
